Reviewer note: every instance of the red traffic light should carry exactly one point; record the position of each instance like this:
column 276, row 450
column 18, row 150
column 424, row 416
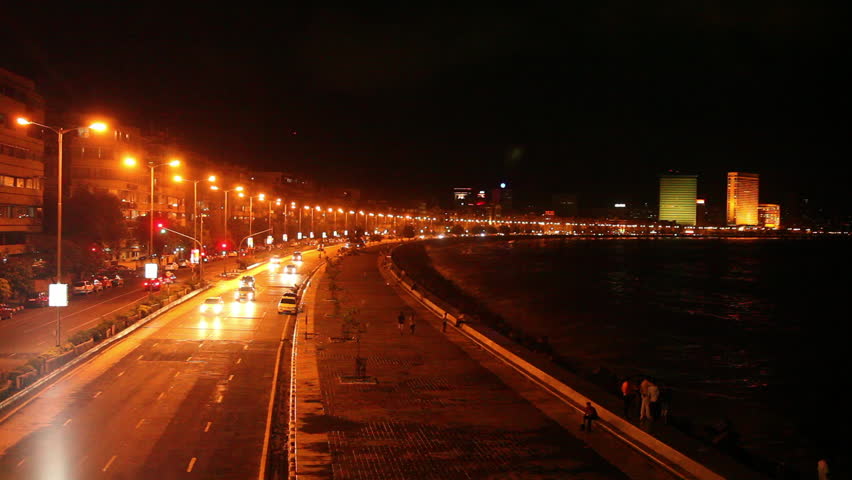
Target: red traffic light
column 161, row 225
column 224, row 245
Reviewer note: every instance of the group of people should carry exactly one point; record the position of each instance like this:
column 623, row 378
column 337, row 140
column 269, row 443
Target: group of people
column 651, row 402
column 401, row 322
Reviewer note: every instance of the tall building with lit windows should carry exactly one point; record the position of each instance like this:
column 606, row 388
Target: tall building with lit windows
column 769, row 215
column 742, row 198
column 21, row 163
column 677, row 198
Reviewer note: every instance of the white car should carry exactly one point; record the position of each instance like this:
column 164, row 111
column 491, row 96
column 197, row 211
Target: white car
column 290, row 269
column 213, row 305
column 171, row 266
column 83, row 287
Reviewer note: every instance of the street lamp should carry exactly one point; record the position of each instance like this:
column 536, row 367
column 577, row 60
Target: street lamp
column 235, row 189
column 60, row 132
column 131, row 162
column 179, row 179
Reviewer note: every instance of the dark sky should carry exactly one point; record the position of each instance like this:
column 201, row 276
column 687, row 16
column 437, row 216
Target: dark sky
column 407, row 103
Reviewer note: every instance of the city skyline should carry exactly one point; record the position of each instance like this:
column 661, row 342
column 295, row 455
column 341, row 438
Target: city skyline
column 465, row 95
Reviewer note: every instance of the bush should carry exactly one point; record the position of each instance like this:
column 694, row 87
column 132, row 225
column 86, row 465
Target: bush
column 80, row 337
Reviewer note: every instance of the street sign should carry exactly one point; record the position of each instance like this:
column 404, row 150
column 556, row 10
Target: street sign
column 324, row 235
column 250, row 242
column 57, row 295
column 269, row 239
column 195, row 256
column 299, row 236
column 284, row 237
column 151, row 270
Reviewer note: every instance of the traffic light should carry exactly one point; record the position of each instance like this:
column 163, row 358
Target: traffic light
column 224, row 246
column 162, row 227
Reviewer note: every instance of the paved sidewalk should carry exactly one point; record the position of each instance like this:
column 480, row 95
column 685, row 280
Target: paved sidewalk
column 433, row 412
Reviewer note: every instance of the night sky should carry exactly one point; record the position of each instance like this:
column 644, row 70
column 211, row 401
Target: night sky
column 407, row 103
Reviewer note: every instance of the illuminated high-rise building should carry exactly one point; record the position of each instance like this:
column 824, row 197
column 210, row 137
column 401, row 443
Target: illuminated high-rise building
column 677, row 198
column 742, row 198
column 769, row 215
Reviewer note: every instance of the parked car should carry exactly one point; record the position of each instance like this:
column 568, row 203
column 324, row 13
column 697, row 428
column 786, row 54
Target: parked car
column 97, row 285
column 152, row 285
column 105, row 281
column 83, row 287
column 38, row 299
column 117, row 281
column 184, row 263
column 171, row 266
column 166, row 280
column 6, row 311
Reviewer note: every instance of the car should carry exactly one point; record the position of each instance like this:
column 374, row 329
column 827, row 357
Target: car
column 152, row 284
column 105, row 281
column 83, row 287
column 287, row 305
column 97, row 285
column 171, row 266
column 167, row 279
column 6, row 311
column 212, row 305
column 184, row 263
column 297, row 256
column 232, row 253
column 38, row 299
column 244, row 294
column 275, row 260
column 290, row 269
column 117, row 281
column 247, row 281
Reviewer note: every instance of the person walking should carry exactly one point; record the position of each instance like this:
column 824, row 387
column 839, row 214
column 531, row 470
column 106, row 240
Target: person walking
column 645, row 407
column 628, row 393
column 823, row 472
column 654, row 400
column 412, row 324
column 400, row 321
column 589, row 415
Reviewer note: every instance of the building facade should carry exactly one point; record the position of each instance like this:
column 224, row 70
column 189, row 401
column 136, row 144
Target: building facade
column 677, row 198
column 769, row 215
column 742, row 198
column 21, row 163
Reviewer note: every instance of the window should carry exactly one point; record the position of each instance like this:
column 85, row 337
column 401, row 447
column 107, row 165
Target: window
column 8, row 181
column 20, row 182
column 30, row 183
column 4, row 211
column 20, row 212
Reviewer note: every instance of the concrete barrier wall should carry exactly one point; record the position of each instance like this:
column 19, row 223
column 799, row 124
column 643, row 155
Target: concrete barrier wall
column 624, row 428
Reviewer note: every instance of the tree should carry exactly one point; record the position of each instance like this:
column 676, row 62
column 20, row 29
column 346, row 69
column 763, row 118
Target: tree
column 19, row 275
column 5, row 290
column 408, row 231
column 104, row 225
column 504, row 229
column 457, row 230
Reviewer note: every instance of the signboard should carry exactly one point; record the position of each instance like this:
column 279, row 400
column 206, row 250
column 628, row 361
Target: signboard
column 194, row 256
column 312, row 234
column 57, row 295
column 269, row 239
column 550, row 213
column 250, row 242
column 324, row 235
column 151, row 270
column 284, row 237
column 299, row 236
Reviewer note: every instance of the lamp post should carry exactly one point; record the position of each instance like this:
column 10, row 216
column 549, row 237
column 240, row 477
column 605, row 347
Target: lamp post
column 178, row 178
column 131, row 162
column 300, row 217
column 317, row 208
column 60, row 132
column 235, row 189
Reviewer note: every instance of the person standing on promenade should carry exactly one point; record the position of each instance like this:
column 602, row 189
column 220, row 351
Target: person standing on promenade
column 654, row 400
column 400, row 321
column 412, row 324
column 645, row 407
column 628, row 393
column 589, row 414
column 444, row 324
column 823, row 473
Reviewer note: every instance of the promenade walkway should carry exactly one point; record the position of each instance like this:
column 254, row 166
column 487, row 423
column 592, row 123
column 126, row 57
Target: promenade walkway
column 437, row 406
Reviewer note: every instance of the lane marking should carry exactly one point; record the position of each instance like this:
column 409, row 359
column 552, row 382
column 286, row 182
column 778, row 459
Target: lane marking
column 120, row 374
column 239, row 360
column 140, row 357
column 230, row 378
column 245, row 347
column 140, row 423
column 219, row 399
column 189, row 358
column 200, row 344
column 106, row 467
column 177, row 374
column 154, row 345
column 64, row 317
column 66, row 422
column 191, row 464
column 21, row 462
column 161, row 396
column 207, row 427
column 97, row 394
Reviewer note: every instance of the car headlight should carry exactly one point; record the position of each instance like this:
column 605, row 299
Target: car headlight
column 217, row 308
column 203, row 307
